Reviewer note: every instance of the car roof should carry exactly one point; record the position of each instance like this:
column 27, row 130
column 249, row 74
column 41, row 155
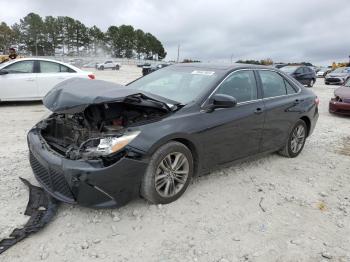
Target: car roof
column 44, row 59
column 222, row 67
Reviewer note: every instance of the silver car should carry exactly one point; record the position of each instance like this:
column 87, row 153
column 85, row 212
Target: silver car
column 339, row 76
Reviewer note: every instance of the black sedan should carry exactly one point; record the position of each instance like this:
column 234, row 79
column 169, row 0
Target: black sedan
column 304, row 74
column 105, row 144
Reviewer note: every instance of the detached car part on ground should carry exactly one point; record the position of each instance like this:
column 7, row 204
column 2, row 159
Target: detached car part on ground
column 105, row 144
column 340, row 104
column 41, row 208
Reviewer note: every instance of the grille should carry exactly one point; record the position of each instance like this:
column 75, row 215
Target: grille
column 52, row 179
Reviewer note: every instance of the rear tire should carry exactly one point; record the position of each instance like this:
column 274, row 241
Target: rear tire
column 296, row 140
column 165, row 180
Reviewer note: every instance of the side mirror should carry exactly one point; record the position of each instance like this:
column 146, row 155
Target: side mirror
column 3, row 72
column 222, row 101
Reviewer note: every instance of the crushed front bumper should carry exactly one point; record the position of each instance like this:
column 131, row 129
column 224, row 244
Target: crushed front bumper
column 88, row 183
column 337, row 107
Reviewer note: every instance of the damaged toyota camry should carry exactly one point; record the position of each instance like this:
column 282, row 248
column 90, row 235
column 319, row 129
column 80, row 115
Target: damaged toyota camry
column 105, row 144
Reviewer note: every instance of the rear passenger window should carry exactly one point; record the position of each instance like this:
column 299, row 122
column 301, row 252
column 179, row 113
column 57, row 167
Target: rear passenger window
column 51, row 67
column 290, row 89
column 240, row 85
column 273, row 84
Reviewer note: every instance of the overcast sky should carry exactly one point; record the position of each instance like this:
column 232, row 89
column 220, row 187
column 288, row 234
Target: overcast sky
column 283, row 30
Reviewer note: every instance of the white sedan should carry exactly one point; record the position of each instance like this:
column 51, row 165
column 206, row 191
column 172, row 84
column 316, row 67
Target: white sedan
column 32, row 78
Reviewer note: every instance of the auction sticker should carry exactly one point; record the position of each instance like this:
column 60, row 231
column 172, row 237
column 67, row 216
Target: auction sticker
column 206, row 73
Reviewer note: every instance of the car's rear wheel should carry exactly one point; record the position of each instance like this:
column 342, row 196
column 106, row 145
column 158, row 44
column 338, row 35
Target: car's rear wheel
column 296, row 140
column 168, row 174
column 311, row 83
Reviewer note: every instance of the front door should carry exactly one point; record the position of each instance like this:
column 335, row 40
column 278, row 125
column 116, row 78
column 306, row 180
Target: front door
column 234, row 133
column 20, row 82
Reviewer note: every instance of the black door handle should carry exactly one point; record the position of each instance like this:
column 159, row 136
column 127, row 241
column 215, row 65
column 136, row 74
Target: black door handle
column 258, row 111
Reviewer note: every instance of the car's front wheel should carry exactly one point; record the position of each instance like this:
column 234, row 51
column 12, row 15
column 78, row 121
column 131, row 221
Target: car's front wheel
column 296, row 140
column 311, row 83
column 168, row 174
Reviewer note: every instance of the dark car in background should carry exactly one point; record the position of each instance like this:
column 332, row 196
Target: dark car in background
column 340, row 104
column 304, row 74
column 153, row 136
column 149, row 69
column 338, row 76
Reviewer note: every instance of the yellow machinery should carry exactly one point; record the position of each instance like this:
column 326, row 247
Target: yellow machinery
column 4, row 58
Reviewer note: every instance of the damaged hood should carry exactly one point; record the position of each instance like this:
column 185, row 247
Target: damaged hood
column 76, row 94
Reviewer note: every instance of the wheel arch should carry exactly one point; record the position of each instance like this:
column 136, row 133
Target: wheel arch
column 183, row 139
column 191, row 146
column 307, row 122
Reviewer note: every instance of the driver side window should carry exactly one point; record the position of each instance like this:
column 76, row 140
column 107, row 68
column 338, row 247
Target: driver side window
column 22, row 67
column 240, row 85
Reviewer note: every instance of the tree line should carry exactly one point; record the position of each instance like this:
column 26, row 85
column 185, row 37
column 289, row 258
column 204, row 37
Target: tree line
column 50, row 35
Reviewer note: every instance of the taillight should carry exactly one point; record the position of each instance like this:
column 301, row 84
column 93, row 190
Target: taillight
column 91, row 76
column 317, row 101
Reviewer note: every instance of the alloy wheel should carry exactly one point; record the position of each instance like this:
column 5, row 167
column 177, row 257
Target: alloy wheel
column 171, row 174
column 298, row 139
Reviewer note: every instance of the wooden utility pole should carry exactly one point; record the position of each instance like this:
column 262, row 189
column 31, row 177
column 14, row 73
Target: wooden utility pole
column 178, row 53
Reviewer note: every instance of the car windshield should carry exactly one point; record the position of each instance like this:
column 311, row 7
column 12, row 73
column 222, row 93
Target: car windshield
column 342, row 70
column 289, row 69
column 181, row 84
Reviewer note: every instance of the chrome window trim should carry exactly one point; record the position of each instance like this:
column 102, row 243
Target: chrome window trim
column 260, row 99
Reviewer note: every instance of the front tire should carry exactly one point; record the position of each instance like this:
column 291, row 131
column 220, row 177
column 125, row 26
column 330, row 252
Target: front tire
column 168, row 174
column 296, row 140
column 312, row 82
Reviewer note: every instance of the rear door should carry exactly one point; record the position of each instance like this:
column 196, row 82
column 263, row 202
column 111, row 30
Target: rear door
column 50, row 74
column 234, row 133
column 20, row 83
column 280, row 97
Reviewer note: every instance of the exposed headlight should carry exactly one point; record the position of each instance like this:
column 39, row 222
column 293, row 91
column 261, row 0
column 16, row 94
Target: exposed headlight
column 110, row 145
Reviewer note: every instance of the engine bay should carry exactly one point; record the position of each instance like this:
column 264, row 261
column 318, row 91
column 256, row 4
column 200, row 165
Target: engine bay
column 84, row 135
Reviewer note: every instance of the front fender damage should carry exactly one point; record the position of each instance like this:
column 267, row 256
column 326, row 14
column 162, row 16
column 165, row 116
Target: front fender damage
column 41, row 208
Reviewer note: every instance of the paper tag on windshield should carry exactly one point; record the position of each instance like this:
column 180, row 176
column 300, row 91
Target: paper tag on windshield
column 206, row 73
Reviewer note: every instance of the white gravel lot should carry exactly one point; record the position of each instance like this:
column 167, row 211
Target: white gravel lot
column 306, row 199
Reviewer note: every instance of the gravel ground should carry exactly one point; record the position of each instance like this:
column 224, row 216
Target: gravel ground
column 303, row 213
